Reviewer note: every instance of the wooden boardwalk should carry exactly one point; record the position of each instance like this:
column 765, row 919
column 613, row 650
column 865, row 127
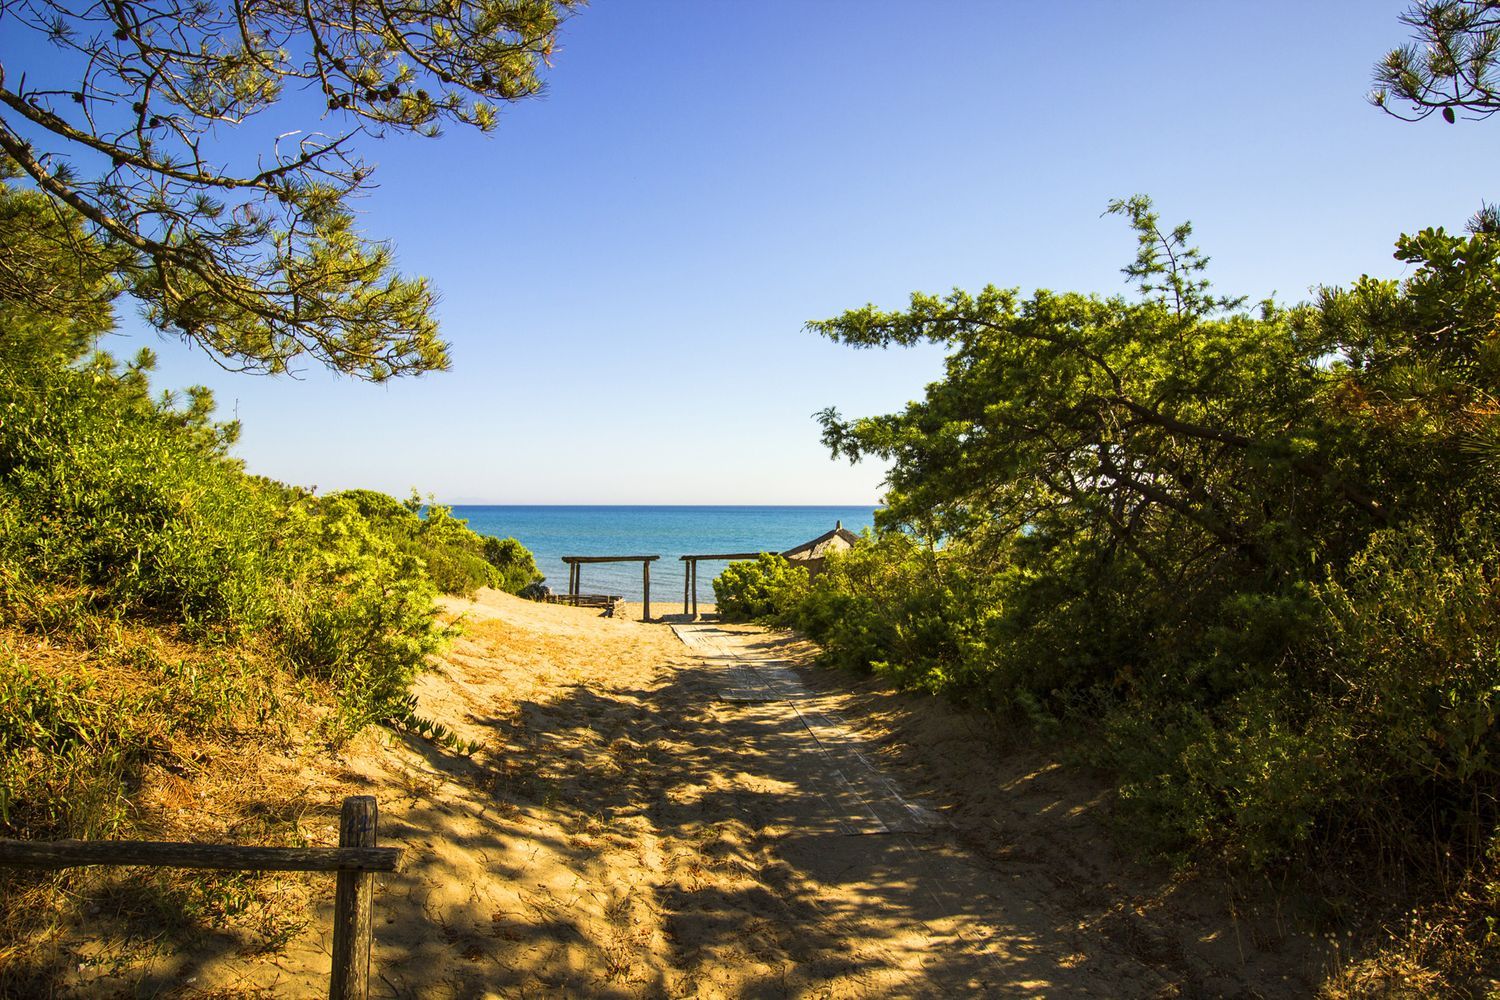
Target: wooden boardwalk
column 866, row 799
column 931, row 918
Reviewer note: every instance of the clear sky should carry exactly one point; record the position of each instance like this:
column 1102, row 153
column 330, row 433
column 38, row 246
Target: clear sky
column 626, row 264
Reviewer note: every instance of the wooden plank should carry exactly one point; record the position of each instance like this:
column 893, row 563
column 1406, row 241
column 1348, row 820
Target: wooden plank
column 732, row 556
column 605, row 559
column 353, row 905
column 584, row 600
column 171, row 854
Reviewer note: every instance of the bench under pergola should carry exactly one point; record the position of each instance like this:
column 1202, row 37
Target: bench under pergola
column 690, row 574
column 575, row 575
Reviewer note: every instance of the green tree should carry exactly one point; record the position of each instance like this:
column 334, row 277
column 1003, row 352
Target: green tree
column 1450, row 66
column 1257, row 547
column 256, row 258
column 57, row 284
column 1155, row 427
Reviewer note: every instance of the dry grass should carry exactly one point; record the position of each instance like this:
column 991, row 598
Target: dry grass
column 1450, row 949
column 192, row 744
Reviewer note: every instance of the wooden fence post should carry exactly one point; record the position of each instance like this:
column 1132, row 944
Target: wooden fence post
column 353, row 905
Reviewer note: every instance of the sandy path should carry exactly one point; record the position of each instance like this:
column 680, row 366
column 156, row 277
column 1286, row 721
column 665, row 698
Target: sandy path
column 632, row 832
column 900, row 901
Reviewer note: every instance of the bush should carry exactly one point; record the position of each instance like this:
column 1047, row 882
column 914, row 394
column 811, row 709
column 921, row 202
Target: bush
column 514, row 565
column 457, row 560
column 121, row 505
column 358, row 612
column 1414, row 626
column 894, row 607
column 766, row 588
column 105, row 490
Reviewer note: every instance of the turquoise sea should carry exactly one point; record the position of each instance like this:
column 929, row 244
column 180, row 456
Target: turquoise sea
column 553, row 532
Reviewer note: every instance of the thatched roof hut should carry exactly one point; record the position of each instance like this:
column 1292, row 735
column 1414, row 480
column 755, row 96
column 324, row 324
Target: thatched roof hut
column 810, row 555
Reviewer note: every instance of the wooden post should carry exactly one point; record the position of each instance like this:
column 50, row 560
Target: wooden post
column 353, row 905
column 646, row 590
column 695, row 588
column 687, row 570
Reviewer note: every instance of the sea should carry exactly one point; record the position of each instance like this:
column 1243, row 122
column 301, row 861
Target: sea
column 551, row 532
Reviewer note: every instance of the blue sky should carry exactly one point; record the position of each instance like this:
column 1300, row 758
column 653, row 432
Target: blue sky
column 626, row 264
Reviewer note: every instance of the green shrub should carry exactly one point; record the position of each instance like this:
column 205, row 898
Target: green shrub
column 458, row 561
column 129, row 498
column 358, row 612
column 64, row 749
column 132, row 506
column 894, row 607
column 765, row 588
column 1414, row 628
column 514, row 565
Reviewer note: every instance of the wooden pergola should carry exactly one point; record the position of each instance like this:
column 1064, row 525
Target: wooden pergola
column 575, row 575
column 690, row 574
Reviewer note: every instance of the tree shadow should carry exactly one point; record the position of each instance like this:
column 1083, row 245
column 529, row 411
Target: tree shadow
column 694, row 846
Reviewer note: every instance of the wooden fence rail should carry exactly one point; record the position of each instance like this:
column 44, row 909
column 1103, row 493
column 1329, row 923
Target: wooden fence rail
column 356, row 859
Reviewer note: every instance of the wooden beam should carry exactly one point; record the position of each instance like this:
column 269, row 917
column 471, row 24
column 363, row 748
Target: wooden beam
column 687, row 572
column 172, row 854
column 646, row 590
column 606, row 559
column 725, row 555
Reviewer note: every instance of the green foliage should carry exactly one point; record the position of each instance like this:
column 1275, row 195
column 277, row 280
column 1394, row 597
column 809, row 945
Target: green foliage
column 1252, row 551
column 130, row 498
column 253, row 254
column 117, row 508
column 892, row 606
column 765, row 588
column 1450, row 65
column 457, row 560
column 355, row 612
column 454, row 555
column 131, row 503
column 63, row 752
column 1415, row 622
column 514, row 565
column 56, row 285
